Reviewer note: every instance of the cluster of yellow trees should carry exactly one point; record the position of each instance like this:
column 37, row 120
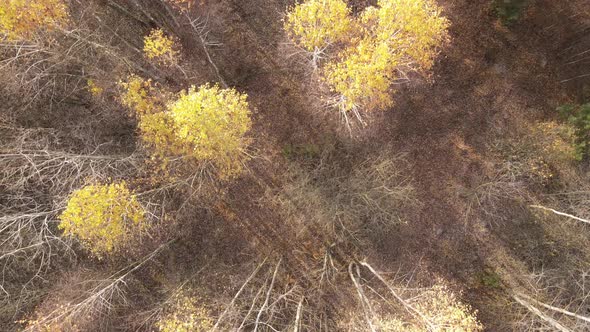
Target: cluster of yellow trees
column 367, row 54
column 374, row 50
column 205, row 124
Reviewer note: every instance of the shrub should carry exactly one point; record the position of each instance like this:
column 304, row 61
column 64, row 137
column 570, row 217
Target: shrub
column 20, row 19
column 140, row 96
column 509, row 11
column 578, row 116
column 185, row 314
column 445, row 310
column 94, row 89
column 103, row 217
column 160, row 47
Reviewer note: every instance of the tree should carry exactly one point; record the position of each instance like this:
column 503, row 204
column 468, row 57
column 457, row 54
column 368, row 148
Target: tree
column 20, row 19
column 207, row 124
column 157, row 46
column 316, row 24
column 210, row 124
column 416, row 30
column 103, row 217
column 363, row 77
column 388, row 42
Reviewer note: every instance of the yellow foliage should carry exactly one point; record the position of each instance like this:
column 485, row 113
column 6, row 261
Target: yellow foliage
column 140, row 96
column 160, row 47
column 93, row 88
column 207, row 124
column 411, row 28
column 316, row 23
column 185, row 315
column 211, row 123
column 443, row 309
column 182, row 4
column 388, row 41
column 396, row 325
column 102, row 217
column 43, row 325
column 557, row 141
column 20, row 19
column 363, row 77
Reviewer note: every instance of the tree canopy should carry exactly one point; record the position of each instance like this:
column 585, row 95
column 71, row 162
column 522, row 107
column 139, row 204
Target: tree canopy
column 20, row 19
column 103, row 217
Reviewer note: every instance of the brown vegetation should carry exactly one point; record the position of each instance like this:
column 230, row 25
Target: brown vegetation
column 463, row 207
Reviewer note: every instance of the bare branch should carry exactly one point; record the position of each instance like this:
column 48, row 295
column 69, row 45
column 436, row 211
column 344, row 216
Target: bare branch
column 541, row 315
column 231, row 304
column 560, row 213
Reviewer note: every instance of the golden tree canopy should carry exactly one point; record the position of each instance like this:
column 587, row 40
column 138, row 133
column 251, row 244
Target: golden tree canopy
column 363, row 77
column 317, row 23
column 20, row 19
column 412, row 28
column 388, row 41
column 160, row 47
column 103, row 217
column 208, row 124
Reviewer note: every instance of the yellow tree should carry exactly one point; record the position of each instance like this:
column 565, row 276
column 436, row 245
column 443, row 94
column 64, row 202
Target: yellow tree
column 20, row 19
column 184, row 313
column 103, row 217
column 399, row 36
column 413, row 28
column 362, row 78
column 160, row 47
column 210, row 124
column 388, row 41
column 206, row 124
column 316, row 24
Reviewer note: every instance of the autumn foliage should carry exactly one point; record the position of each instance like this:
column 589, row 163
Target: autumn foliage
column 20, row 19
column 210, row 125
column 161, row 48
column 316, row 24
column 184, row 313
column 206, row 124
column 387, row 43
column 103, row 217
column 140, row 96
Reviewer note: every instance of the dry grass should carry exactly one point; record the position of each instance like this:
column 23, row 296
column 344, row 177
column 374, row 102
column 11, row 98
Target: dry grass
column 373, row 196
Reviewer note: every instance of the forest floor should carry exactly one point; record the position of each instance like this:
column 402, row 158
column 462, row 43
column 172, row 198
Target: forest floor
column 485, row 78
column 489, row 83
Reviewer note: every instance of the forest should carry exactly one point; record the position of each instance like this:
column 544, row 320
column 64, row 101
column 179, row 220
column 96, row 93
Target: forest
column 294, row 165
